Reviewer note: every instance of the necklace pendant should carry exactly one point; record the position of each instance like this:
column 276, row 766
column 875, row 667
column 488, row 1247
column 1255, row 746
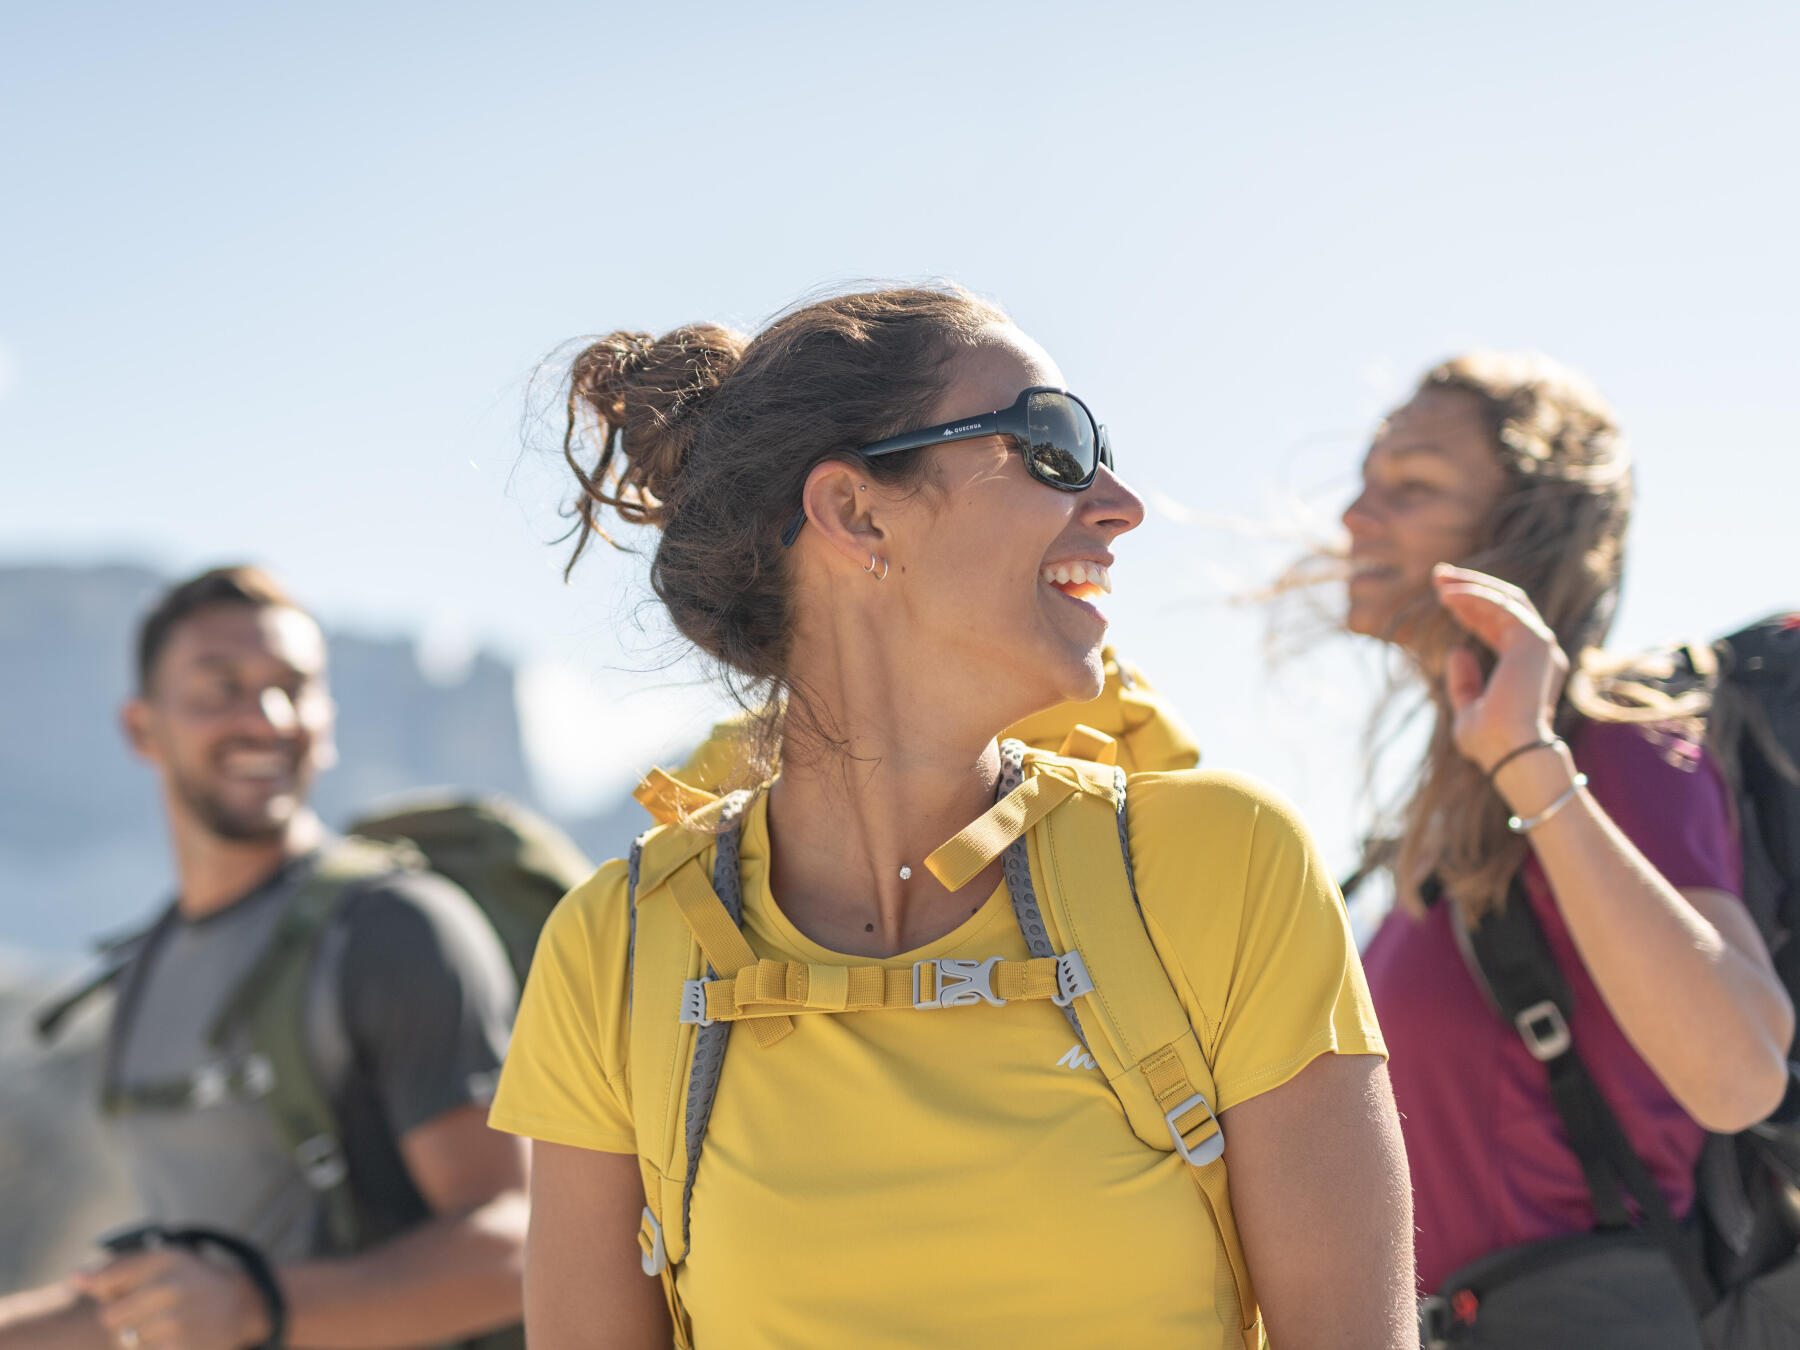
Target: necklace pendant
column 905, row 873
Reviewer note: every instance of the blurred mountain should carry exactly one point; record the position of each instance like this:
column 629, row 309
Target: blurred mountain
column 82, row 845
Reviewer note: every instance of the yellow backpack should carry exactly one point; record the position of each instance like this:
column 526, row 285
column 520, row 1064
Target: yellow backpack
column 1059, row 826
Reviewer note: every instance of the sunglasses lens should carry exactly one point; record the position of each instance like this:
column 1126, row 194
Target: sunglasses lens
column 1063, row 450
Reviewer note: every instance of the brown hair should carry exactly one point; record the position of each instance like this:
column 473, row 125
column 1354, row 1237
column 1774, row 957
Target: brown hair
column 709, row 436
column 236, row 585
column 1558, row 532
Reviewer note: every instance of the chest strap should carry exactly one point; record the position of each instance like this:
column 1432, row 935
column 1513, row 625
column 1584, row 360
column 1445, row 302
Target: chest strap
column 771, row 988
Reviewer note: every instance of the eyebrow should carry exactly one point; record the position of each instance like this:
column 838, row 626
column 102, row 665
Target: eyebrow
column 1408, row 450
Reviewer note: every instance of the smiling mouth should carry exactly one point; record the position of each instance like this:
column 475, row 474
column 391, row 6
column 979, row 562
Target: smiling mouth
column 258, row 766
column 1079, row 580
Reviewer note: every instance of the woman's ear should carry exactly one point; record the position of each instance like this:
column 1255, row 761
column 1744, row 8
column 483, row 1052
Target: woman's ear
column 844, row 510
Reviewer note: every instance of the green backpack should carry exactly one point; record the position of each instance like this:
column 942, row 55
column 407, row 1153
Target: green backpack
column 515, row 866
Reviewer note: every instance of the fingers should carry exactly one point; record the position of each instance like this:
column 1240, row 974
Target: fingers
column 1462, row 678
column 124, row 1274
column 1495, row 614
column 138, row 1308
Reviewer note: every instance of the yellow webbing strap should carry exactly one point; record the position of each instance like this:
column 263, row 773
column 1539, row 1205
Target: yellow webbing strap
column 723, row 942
column 961, row 858
column 1133, row 1021
column 772, row 988
column 1083, row 742
column 669, row 800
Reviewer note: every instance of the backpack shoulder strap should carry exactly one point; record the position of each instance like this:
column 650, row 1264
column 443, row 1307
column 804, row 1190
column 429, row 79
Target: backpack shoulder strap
column 1510, row 956
column 1064, row 824
column 269, row 1008
column 1134, row 1024
column 677, row 894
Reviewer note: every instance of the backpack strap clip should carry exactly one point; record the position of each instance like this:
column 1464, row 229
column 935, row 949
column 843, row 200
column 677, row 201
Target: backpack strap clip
column 956, row 983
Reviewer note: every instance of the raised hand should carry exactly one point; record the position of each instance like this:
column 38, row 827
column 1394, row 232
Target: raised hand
column 1517, row 704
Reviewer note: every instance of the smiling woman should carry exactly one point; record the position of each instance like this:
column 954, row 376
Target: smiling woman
column 889, row 521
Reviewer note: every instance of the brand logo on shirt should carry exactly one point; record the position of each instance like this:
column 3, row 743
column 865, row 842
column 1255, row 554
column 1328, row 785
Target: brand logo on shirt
column 1076, row 1058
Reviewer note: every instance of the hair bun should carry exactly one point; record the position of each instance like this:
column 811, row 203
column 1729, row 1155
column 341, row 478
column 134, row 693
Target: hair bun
column 634, row 397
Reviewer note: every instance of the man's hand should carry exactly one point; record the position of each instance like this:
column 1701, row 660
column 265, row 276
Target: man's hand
column 170, row 1299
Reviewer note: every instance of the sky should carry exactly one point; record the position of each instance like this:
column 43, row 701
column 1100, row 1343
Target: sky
column 280, row 283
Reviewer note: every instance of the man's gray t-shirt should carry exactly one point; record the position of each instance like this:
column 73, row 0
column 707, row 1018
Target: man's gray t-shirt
column 407, row 1017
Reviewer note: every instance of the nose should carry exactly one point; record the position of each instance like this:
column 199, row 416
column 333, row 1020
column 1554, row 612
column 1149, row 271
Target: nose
column 1110, row 505
column 1360, row 517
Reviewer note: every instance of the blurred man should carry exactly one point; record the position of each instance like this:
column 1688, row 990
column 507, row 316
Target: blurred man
column 402, row 1225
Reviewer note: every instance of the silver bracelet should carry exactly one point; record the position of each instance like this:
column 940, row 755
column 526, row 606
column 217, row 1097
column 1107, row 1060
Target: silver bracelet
column 1522, row 825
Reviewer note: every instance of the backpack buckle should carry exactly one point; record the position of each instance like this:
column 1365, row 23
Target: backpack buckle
column 957, row 983
column 1210, row 1149
column 322, row 1162
column 1545, row 1031
column 1434, row 1322
column 1072, row 979
column 693, row 1003
column 653, row 1256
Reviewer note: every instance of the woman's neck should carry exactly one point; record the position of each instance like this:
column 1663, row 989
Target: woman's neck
column 885, row 769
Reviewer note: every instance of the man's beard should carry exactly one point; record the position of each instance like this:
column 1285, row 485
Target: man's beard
column 257, row 825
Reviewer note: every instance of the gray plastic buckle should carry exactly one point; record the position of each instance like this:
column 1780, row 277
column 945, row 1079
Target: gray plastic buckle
column 1434, row 1322
column 1072, row 980
column 258, row 1074
column 322, row 1162
column 693, row 1003
column 958, row 983
column 1209, row 1151
column 1546, row 1033
column 210, row 1085
column 656, row 1260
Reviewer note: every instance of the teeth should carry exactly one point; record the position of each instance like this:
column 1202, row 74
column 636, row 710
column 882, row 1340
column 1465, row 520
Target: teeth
column 1079, row 574
column 256, row 764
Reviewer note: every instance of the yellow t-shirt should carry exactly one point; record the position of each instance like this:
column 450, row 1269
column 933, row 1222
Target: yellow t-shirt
column 963, row 1177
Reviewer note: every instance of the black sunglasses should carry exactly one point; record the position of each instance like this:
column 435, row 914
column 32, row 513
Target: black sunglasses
column 1063, row 445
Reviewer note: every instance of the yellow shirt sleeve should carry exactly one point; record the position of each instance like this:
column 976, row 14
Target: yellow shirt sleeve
column 565, row 1079
column 1251, row 926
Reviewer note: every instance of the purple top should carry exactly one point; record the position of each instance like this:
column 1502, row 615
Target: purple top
column 1491, row 1164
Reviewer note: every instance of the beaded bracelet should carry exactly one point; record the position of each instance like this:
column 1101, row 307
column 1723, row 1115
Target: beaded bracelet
column 1524, row 825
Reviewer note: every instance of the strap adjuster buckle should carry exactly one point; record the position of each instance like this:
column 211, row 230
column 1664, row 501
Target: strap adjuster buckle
column 1210, row 1149
column 693, row 1005
column 957, row 983
column 322, row 1162
column 1434, row 1322
column 654, row 1257
column 1072, row 979
column 1545, row 1030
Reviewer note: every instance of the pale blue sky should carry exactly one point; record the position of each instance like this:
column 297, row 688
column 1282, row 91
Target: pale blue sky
column 272, row 280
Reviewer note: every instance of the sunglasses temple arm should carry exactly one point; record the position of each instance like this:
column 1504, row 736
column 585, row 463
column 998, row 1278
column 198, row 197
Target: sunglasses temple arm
column 988, row 424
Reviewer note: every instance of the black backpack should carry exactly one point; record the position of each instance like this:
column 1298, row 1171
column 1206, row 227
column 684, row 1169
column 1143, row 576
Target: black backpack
column 1739, row 1256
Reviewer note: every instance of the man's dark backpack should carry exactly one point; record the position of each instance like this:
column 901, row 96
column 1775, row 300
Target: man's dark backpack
column 514, row 865
column 1738, row 1260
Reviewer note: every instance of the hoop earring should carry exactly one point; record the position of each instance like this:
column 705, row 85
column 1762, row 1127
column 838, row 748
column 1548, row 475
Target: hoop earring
column 885, row 567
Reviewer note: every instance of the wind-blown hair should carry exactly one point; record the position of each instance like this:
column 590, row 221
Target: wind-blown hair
column 1558, row 532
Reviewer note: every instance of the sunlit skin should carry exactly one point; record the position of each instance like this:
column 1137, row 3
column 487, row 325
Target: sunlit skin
column 1429, row 481
column 237, row 722
column 919, row 672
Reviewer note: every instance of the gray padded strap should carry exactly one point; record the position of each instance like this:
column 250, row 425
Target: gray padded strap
column 709, row 1042
column 1016, row 863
